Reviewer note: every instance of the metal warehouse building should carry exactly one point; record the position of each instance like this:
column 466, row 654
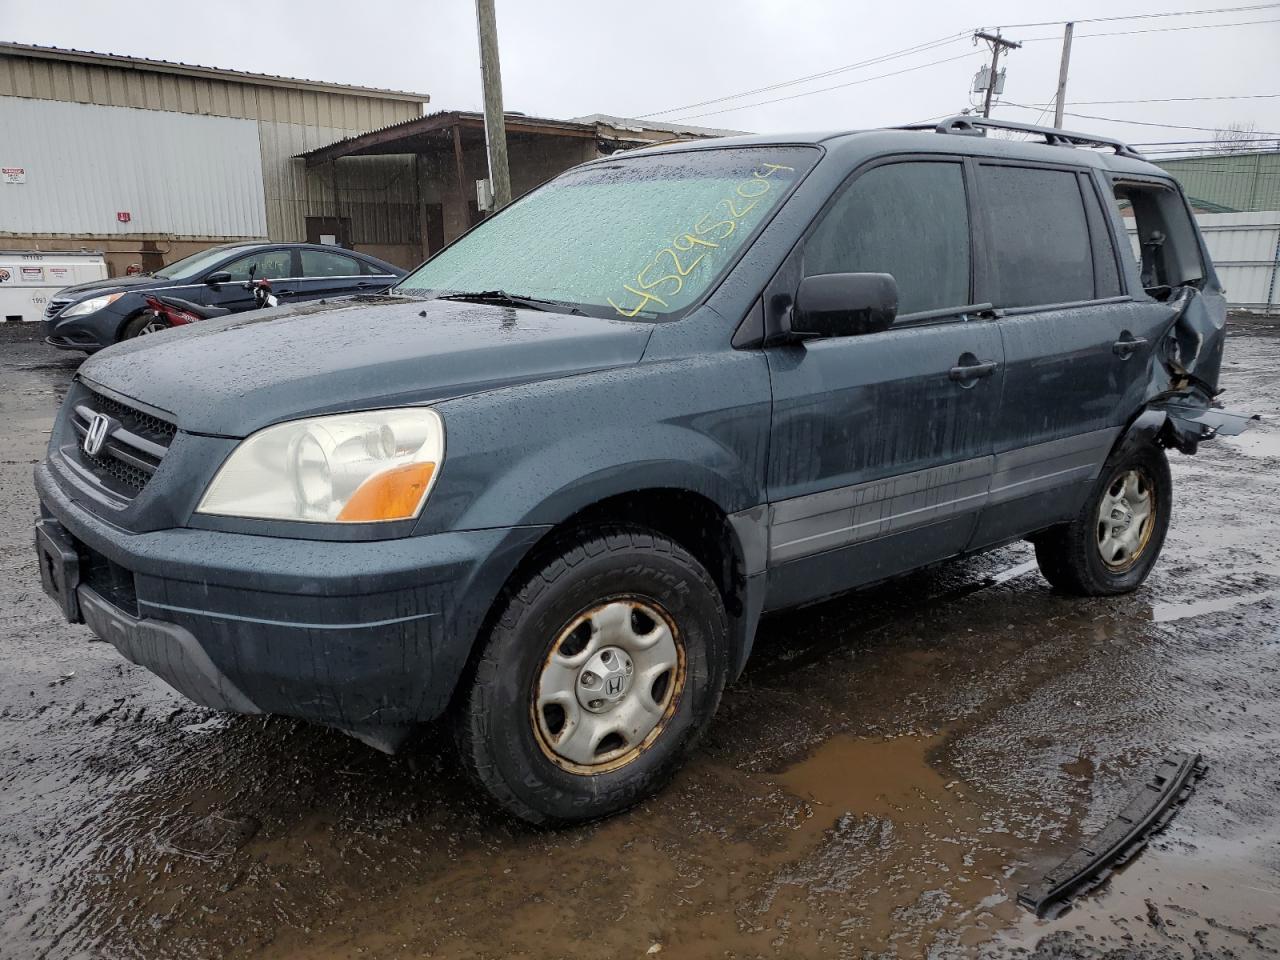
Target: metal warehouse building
column 1236, row 196
column 1237, row 182
column 148, row 160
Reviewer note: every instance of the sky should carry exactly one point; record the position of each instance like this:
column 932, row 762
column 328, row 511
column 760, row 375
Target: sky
column 567, row 58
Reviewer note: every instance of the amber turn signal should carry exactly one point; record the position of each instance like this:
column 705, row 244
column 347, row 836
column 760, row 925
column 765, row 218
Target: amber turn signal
column 391, row 495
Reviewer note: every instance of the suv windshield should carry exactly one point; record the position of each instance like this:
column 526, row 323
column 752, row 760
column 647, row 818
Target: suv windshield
column 640, row 238
column 197, row 263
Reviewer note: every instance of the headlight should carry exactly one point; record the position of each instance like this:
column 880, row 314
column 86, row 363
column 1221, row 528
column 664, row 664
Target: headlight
column 90, row 306
column 347, row 468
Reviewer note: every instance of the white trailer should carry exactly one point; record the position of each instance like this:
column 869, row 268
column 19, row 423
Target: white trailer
column 30, row 278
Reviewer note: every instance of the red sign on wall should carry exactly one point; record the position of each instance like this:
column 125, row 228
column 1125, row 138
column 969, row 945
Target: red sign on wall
column 124, row 216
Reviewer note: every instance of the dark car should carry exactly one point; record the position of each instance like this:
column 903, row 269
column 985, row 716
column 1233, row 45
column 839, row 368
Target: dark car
column 94, row 315
column 548, row 485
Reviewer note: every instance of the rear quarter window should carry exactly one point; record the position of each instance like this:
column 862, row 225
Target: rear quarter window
column 1040, row 248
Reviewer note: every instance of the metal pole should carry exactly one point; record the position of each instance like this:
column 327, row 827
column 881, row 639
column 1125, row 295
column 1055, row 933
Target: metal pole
column 495, row 129
column 1060, row 102
column 1275, row 270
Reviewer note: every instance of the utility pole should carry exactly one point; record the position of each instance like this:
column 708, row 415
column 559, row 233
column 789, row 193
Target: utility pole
column 998, row 43
column 495, row 128
column 1060, row 101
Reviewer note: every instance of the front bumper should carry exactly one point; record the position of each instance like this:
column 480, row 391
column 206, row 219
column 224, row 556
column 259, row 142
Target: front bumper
column 90, row 333
column 370, row 637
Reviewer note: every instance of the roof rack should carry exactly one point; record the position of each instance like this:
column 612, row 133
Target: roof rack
column 971, row 126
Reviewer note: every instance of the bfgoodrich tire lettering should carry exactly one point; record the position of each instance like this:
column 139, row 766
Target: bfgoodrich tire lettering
column 1115, row 540
column 499, row 736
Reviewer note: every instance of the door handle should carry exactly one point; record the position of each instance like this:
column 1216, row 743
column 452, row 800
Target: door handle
column 1125, row 348
column 365, row 284
column 973, row 371
column 283, row 293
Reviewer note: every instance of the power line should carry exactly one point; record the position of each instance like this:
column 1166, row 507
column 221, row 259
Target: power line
column 1143, row 16
column 838, row 86
column 1165, row 143
column 1099, row 103
column 953, row 38
column 1137, row 123
column 906, row 51
column 1129, row 33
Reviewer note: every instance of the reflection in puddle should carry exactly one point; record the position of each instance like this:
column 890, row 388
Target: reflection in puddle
column 1168, row 612
column 1257, row 441
column 906, row 859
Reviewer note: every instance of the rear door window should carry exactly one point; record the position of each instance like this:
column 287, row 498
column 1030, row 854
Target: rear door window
column 1040, row 249
column 908, row 219
column 268, row 264
column 322, row 263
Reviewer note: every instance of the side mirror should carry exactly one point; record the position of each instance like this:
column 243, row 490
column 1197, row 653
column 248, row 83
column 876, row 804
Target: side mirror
column 844, row 305
column 214, row 279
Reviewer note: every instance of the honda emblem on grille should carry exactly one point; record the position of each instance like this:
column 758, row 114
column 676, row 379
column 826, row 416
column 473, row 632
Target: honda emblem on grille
column 96, row 435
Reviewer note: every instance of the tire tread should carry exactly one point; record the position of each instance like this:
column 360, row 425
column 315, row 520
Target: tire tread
column 471, row 718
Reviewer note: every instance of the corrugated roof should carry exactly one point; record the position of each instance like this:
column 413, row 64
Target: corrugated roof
column 631, row 123
column 385, row 139
column 36, row 51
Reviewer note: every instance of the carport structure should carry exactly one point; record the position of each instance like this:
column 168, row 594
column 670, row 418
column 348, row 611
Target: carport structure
column 448, row 151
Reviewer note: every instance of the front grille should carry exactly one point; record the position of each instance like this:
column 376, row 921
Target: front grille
column 125, row 474
column 137, row 421
column 55, row 307
column 135, row 443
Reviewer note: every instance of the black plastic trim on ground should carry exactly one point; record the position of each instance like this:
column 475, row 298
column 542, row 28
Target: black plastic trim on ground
column 1119, row 841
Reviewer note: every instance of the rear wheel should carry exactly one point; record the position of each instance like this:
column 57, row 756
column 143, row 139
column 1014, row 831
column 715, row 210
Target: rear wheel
column 598, row 676
column 143, row 325
column 1116, row 538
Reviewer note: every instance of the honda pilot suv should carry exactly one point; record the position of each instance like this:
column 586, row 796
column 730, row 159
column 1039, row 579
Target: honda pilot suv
column 547, row 485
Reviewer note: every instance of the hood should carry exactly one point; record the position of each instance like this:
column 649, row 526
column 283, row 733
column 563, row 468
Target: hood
column 236, row 374
column 82, row 290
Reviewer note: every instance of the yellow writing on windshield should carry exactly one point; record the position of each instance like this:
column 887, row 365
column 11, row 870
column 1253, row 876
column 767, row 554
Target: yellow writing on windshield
column 664, row 274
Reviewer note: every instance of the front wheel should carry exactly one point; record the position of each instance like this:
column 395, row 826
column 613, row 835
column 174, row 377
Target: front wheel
column 1116, row 538
column 143, row 325
column 597, row 678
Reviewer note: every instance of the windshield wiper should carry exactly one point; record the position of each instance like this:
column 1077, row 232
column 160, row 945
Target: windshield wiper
column 511, row 300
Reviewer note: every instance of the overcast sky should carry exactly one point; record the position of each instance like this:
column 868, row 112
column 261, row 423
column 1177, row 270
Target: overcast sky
column 565, row 58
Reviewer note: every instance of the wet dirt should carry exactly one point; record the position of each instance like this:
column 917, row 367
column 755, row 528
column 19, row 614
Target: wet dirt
column 890, row 769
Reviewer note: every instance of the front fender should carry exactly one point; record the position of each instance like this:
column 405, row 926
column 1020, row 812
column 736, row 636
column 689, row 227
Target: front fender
column 539, row 452
column 587, row 469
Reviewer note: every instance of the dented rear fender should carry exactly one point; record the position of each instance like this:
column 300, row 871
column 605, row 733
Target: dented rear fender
column 1181, row 409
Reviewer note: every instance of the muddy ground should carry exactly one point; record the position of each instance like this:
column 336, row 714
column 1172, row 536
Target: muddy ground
column 890, row 770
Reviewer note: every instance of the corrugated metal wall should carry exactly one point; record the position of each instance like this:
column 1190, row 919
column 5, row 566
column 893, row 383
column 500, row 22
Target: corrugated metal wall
column 172, row 173
column 1244, row 248
column 377, row 194
column 124, row 86
column 1241, row 182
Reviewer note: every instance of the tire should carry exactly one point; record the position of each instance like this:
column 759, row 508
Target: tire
column 138, row 326
column 1091, row 557
column 603, row 593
